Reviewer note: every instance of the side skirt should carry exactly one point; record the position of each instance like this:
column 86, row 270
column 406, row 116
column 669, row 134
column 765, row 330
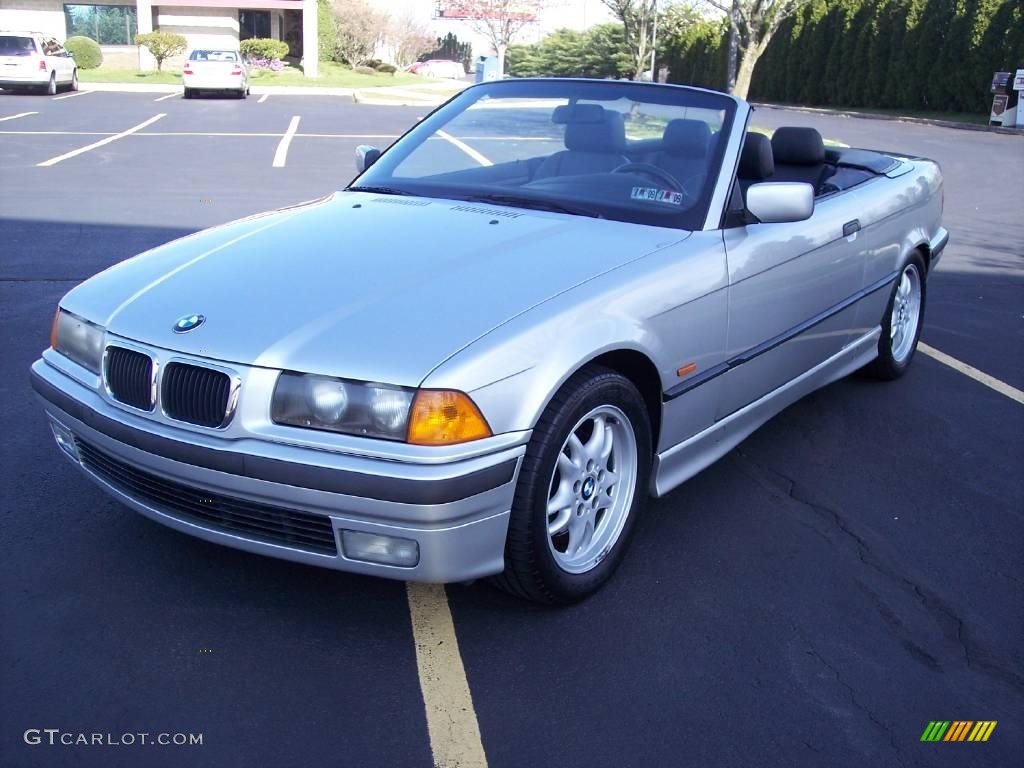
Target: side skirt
column 684, row 460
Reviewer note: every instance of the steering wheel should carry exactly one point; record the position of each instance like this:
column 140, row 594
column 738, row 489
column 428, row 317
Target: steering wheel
column 652, row 170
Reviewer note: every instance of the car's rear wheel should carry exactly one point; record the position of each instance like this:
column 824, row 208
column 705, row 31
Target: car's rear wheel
column 51, row 87
column 187, row 94
column 581, row 487
column 901, row 325
column 243, row 93
column 74, row 80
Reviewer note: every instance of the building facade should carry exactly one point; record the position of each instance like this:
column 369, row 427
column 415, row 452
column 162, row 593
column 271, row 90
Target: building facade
column 204, row 24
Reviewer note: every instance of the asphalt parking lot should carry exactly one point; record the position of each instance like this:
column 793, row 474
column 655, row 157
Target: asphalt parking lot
column 851, row 572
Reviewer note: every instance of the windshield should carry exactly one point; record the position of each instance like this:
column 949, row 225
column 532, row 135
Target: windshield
column 648, row 154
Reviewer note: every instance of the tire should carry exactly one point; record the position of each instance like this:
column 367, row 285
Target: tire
column 898, row 341
column 243, row 93
column 74, row 81
column 51, row 87
column 187, row 94
column 568, row 566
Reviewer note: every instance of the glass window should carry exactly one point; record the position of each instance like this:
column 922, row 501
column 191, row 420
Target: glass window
column 642, row 153
column 106, row 24
column 16, row 46
column 253, row 24
column 213, row 56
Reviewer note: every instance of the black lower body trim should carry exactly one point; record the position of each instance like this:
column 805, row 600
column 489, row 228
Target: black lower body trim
column 776, row 341
column 379, row 488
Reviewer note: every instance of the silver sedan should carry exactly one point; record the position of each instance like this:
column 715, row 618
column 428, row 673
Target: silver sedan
column 548, row 301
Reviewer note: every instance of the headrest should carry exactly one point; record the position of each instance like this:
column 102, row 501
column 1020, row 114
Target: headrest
column 608, row 135
column 564, row 114
column 798, row 146
column 686, row 137
column 756, row 162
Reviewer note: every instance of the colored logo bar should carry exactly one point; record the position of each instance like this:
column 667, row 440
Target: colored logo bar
column 958, row 730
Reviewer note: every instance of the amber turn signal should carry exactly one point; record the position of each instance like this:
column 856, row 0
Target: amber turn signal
column 443, row 417
column 53, row 328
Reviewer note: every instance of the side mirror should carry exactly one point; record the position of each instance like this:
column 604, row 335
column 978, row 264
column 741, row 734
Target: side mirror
column 777, row 202
column 367, row 156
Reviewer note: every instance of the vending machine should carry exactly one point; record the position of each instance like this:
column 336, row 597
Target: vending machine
column 1006, row 95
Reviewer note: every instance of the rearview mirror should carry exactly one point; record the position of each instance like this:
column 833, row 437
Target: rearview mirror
column 776, row 202
column 365, row 157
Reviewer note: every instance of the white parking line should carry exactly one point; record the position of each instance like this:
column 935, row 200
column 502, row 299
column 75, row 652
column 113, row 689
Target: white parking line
column 100, row 143
column 263, row 98
column 465, row 148
column 168, row 96
column 70, row 95
column 15, row 117
column 281, row 155
column 967, row 370
column 451, row 719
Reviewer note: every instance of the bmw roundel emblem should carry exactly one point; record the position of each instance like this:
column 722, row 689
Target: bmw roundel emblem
column 189, row 323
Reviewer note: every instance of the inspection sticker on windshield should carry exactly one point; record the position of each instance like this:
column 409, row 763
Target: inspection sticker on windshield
column 655, row 195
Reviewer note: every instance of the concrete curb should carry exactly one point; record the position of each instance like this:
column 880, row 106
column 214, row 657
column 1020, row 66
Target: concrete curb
column 897, row 118
column 256, row 90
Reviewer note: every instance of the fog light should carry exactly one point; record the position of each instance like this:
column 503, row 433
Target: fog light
column 64, row 439
column 372, row 548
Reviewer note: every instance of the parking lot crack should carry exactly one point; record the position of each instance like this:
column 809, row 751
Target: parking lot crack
column 975, row 656
column 859, row 706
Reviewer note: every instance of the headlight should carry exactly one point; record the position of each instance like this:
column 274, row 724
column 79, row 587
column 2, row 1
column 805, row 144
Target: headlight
column 319, row 402
column 78, row 339
column 422, row 417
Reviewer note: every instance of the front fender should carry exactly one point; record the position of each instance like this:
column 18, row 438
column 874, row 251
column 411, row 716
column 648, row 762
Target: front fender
column 669, row 306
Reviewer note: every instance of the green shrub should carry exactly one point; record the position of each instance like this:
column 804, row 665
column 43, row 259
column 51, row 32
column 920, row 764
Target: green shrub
column 264, row 48
column 163, row 45
column 385, row 68
column 364, row 70
column 85, row 50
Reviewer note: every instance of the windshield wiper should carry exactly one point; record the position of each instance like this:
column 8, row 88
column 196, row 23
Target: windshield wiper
column 378, row 190
column 533, row 203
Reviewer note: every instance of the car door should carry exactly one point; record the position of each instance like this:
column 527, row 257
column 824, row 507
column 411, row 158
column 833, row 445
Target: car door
column 787, row 287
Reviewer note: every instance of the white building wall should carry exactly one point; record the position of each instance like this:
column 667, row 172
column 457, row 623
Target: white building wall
column 46, row 16
column 201, row 27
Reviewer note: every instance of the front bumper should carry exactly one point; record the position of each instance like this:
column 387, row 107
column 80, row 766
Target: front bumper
column 457, row 511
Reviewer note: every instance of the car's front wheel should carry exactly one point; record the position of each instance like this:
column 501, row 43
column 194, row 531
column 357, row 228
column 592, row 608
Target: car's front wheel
column 187, row 94
column 581, row 487
column 901, row 325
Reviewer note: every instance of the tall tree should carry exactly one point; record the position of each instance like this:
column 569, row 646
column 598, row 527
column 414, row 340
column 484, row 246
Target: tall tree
column 638, row 21
column 501, row 22
column 754, row 22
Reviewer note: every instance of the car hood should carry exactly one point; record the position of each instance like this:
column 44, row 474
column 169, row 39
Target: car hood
column 356, row 285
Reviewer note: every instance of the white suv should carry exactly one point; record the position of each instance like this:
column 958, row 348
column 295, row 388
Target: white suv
column 32, row 60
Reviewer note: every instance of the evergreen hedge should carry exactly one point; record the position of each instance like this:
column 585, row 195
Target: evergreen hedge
column 891, row 54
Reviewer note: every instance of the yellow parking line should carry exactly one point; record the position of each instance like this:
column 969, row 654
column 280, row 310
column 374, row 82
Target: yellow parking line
column 70, row 95
column 281, row 155
column 100, row 143
column 451, row 719
column 168, row 96
column 15, row 117
column 465, row 148
column 967, row 370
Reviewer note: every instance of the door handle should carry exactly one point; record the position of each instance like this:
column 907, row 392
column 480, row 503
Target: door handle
column 851, row 227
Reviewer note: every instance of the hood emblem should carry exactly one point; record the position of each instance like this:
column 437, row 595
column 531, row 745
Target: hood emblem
column 188, row 323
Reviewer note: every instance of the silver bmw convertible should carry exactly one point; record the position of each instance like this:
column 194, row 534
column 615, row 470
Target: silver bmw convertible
column 547, row 301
